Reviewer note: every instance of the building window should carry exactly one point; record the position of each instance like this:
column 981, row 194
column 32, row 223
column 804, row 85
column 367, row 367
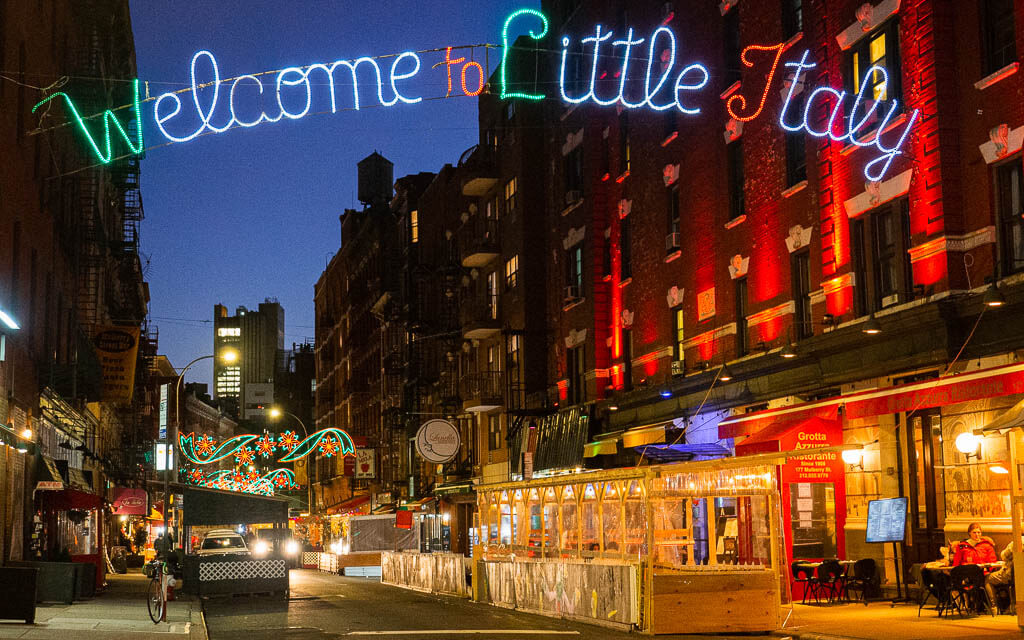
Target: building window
column 626, row 248
column 414, row 226
column 880, row 240
column 624, row 150
column 1009, row 212
column 492, row 209
column 229, row 331
column 792, row 18
column 606, row 255
column 512, row 355
column 627, row 359
column 574, row 272
column 673, row 211
column 731, row 45
column 574, row 175
column 741, row 317
column 577, row 377
column 737, row 201
column 879, row 49
column 678, row 332
column 494, row 432
column 801, row 266
column 492, row 358
column 512, row 272
column 510, row 195
column 997, row 35
column 606, row 156
column 492, row 295
column 796, row 150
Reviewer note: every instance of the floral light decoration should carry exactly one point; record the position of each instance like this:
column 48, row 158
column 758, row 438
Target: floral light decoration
column 328, row 447
column 204, row 446
column 234, row 480
column 288, row 441
column 265, row 446
column 244, row 456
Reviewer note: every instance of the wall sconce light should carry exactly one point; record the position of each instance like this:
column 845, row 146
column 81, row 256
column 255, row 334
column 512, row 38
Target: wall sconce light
column 969, row 444
column 854, row 458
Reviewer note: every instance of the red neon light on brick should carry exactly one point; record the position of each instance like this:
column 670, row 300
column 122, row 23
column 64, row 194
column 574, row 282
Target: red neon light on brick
column 739, row 98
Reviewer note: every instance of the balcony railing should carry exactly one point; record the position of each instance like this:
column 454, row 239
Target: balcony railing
column 479, row 316
column 478, row 241
column 481, row 171
column 482, row 391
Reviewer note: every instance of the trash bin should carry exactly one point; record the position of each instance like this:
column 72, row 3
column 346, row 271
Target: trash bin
column 18, row 593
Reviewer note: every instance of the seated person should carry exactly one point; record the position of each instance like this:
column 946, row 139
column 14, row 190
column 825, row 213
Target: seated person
column 1003, row 576
column 976, row 549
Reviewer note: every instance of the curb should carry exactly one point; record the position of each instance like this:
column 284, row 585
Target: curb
column 809, row 635
column 198, row 629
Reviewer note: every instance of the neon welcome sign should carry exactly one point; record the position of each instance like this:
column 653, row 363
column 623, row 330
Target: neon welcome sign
column 666, row 85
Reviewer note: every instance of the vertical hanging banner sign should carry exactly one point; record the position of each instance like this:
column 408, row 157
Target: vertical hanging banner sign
column 117, row 348
column 163, row 412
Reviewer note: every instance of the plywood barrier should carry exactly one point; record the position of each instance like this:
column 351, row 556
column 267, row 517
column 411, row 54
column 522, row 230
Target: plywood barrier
column 443, row 573
column 604, row 593
column 715, row 602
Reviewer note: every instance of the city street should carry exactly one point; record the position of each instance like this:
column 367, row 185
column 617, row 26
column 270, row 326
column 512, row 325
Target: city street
column 330, row 606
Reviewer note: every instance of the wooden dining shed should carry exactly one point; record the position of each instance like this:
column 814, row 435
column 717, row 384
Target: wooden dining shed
column 692, row 547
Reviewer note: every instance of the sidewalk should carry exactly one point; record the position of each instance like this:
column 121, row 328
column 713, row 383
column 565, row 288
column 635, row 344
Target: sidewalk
column 881, row 621
column 119, row 613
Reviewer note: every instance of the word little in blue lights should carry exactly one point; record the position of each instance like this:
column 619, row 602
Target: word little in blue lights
column 693, row 77
column 876, row 169
column 289, row 77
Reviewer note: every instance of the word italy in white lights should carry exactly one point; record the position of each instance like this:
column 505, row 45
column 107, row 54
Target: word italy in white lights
column 289, row 77
column 697, row 74
column 853, row 124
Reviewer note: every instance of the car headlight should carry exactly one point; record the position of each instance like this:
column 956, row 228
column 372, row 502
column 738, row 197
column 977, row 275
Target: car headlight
column 291, row 547
column 260, row 548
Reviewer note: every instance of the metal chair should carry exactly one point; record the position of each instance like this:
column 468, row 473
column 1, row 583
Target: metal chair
column 967, row 589
column 804, row 574
column 832, row 580
column 937, row 584
column 863, row 578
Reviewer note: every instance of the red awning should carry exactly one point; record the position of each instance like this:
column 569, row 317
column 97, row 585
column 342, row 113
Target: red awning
column 347, row 506
column 71, row 499
column 963, row 387
column 767, row 440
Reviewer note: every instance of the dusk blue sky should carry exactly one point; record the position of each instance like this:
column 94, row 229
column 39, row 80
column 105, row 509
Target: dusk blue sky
column 248, row 214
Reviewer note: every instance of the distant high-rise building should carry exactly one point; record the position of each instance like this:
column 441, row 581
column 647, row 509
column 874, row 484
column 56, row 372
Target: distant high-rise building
column 257, row 336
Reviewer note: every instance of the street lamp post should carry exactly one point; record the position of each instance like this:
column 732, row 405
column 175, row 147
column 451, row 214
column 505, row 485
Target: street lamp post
column 277, row 412
column 228, row 356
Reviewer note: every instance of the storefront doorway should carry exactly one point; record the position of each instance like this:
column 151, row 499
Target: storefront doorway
column 925, row 487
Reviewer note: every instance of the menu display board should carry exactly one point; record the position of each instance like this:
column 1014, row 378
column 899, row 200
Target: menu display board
column 887, row 520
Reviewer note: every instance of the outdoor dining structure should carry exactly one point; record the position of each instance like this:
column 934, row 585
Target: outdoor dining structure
column 692, row 547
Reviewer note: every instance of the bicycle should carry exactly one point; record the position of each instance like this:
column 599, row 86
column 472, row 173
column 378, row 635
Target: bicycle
column 156, row 594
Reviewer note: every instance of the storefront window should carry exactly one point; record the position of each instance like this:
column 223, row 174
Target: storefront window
column 535, row 521
column 550, row 521
column 813, row 519
column 570, row 524
column 975, row 488
column 635, row 520
column 589, row 519
column 673, row 536
column 505, row 524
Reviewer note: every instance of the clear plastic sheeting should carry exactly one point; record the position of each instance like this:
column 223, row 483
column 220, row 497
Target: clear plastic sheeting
column 665, row 514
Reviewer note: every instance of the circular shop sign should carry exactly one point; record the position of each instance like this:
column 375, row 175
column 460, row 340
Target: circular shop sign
column 437, row 441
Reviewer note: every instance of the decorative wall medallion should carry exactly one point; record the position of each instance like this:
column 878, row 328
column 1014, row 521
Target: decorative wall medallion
column 877, row 193
column 574, row 237
column 733, row 130
column 874, row 191
column 798, row 237
column 868, row 17
column 1000, row 137
column 572, row 140
column 1002, row 141
column 674, row 298
column 575, row 338
column 738, row 266
column 625, row 206
column 864, row 14
column 670, row 173
column 627, row 318
column 706, row 304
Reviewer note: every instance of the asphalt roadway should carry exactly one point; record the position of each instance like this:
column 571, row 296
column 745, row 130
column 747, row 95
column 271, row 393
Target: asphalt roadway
column 325, row 606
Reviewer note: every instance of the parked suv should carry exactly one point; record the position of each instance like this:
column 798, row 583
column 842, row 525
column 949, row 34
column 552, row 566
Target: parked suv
column 222, row 541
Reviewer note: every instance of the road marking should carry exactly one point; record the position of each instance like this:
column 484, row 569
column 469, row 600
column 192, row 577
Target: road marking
column 438, row 632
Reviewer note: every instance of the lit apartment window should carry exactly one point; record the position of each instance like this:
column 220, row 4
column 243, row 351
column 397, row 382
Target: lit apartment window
column 512, row 357
column 414, row 226
column 510, row 195
column 492, row 358
column 492, row 208
column 512, row 272
column 999, row 47
column 678, row 332
column 737, row 200
column 792, row 18
column 1009, row 211
column 879, row 49
column 224, row 332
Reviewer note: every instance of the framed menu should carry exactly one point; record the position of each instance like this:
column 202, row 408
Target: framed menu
column 887, row 520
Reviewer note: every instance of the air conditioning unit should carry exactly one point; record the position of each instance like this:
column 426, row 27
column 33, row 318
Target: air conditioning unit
column 672, row 242
column 678, row 367
column 572, row 293
column 573, row 196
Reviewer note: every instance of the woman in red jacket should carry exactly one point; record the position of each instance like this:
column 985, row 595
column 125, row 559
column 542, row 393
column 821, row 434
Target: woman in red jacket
column 976, row 549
